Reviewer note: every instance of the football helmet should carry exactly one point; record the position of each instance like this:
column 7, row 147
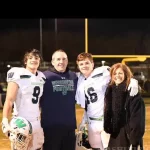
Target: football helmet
column 20, row 133
column 82, row 142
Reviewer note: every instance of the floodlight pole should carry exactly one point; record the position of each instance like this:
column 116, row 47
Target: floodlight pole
column 86, row 35
column 56, row 34
column 41, row 42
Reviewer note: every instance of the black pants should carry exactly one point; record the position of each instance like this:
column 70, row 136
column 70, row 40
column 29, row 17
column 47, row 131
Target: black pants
column 59, row 139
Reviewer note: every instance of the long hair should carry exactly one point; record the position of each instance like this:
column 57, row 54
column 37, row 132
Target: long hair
column 127, row 72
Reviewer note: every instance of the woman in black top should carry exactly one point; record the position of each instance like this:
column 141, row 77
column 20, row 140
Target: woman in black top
column 124, row 115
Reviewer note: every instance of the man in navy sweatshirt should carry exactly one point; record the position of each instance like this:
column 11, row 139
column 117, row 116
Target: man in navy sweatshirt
column 58, row 117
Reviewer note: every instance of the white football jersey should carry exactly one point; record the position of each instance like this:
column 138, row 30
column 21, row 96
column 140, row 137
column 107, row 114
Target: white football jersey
column 30, row 90
column 91, row 91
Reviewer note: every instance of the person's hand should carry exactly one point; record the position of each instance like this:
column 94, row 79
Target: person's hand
column 5, row 126
column 81, row 126
column 133, row 86
column 79, row 138
column 83, row 122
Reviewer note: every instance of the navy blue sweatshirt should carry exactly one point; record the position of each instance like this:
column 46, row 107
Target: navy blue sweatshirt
column 58, row 100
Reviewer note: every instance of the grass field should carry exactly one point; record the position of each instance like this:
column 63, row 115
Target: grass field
column 4, row 142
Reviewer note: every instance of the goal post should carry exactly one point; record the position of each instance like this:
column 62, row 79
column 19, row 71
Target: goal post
column 126, row 58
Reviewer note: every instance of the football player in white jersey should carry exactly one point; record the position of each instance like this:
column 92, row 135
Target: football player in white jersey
column 92, row 84
column 25, row 87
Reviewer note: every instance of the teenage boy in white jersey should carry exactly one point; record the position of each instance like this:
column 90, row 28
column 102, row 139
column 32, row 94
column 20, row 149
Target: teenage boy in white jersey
column 92, row 84
column 25, row 87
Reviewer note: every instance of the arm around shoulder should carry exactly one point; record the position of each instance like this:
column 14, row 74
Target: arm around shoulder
column 133, row 87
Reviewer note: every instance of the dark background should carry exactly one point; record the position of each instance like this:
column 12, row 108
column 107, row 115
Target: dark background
column 109, row 36
column 105, row 37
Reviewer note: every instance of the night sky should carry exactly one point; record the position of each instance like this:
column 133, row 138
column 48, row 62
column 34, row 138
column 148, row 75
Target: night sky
column 77, row 25
column 99, row 25
column 106, row 37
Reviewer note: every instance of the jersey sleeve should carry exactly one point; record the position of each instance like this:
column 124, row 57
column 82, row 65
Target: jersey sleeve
column 13, row 75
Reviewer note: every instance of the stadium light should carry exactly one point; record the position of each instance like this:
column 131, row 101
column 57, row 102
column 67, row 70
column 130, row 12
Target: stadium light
column 8, row 66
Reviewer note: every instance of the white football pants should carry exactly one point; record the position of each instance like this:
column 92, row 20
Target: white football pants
column 38, row 135
column 98, row 138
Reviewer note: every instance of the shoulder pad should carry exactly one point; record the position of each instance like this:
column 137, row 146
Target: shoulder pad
column 106, row 68
column 14, row 74
column 41, row 74
column 100, row 71
column 97, row 71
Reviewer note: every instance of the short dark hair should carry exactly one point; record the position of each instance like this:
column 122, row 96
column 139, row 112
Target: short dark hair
column 59, row 50
column 34, row 52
